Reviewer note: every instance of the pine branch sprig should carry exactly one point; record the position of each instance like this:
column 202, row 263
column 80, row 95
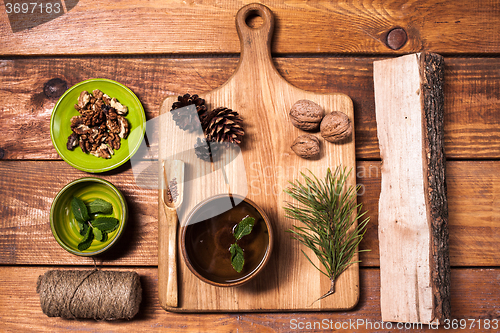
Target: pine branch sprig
column 328, row 212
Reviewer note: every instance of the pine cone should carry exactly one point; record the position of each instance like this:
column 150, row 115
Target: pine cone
column 185, row 120
column 207, row 150
column 223, row 125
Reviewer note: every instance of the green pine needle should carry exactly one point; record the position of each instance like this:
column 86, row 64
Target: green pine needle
column 328, row 212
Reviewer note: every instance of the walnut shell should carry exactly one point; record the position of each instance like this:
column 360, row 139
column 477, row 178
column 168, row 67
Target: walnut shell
column 336, row 126
column 306, row 146
column 306, row 115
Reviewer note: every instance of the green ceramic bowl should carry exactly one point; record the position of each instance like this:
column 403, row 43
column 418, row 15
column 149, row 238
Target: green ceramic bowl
column 62, row 221
column 64, row 110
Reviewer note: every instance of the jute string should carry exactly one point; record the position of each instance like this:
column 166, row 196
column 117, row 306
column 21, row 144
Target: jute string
column 95, row 294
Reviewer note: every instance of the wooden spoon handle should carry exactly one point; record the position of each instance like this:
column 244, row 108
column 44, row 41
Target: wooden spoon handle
column 167, row 232
column 172, row 291
column 167, row 258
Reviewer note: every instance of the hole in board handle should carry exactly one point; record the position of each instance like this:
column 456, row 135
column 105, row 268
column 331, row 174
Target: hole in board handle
column 254, row 19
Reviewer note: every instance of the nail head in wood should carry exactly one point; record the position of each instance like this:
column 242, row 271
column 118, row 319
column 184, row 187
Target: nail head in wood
column 396, row 38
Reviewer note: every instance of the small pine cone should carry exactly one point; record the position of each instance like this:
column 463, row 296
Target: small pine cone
column 223, row 125
column 185, row 120
column 206, row 150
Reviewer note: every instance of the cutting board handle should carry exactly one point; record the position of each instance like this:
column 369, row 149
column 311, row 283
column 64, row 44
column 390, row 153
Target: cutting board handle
column 255, row 42
column 261, row 34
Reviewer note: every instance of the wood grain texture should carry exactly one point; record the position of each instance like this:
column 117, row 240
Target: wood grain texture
column 24, row 214
column 313, row 38
column 263, row 99
column 413, row 210
column 27, row 194
column 177, row 26
column 473, row 296
column 471, row 103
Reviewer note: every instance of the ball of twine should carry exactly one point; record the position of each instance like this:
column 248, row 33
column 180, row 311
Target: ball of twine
column 93, row 294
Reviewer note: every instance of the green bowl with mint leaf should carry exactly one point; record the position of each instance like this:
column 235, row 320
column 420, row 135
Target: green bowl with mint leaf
column 88, row 215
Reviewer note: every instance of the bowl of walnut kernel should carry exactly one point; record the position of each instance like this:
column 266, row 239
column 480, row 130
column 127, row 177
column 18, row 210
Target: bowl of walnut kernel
column 97, row 125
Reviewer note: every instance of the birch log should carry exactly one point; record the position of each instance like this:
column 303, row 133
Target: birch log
column 413, row 211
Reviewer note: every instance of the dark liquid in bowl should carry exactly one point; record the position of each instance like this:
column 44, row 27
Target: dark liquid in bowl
column 207, row 242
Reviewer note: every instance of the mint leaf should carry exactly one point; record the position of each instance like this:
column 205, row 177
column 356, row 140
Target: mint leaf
column 97, row 234
column 244, row 227
column 83, row 227
column 79, row 210
column 101, row 236
column 100, row 206
column 237, row 258
column 87, row 240
column 106, row 224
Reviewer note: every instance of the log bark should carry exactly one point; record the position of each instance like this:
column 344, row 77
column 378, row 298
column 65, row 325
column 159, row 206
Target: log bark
column 432, row 74
column 413, row 209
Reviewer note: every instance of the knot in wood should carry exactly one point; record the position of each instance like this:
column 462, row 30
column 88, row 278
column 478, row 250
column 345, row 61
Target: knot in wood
column 54, row 88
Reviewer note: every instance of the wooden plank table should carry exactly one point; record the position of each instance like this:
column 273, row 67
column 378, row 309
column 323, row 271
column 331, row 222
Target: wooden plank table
column 162, row 48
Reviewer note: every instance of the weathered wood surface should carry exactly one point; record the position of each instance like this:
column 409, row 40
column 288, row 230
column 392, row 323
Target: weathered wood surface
column 312, row 39
column 413, row 206
column 471, row 103
column 359, row 26
column 473, row 191
column 473, row 296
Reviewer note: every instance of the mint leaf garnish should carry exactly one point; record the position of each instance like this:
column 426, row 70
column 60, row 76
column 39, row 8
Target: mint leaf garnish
column 97, row 234
column 83, row 228
column 101, row 236
column 237, row 258
column 79, row 210
column 99, row 227
column 100, row 206
column 106, row 224
column 87, row 240
column 244, row 227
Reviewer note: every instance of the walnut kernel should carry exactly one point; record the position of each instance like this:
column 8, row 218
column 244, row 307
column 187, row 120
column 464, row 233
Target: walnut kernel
column 100, row 126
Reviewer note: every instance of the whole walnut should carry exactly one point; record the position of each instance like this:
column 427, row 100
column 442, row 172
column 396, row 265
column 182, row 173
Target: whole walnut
column 306, row 115
column 336, row 126
column 306, row 146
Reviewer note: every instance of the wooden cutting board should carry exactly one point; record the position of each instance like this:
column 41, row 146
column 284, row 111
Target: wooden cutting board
column 263, row 99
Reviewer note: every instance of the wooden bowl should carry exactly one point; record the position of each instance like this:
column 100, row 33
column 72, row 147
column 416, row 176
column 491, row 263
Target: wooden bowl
column 208, row 234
